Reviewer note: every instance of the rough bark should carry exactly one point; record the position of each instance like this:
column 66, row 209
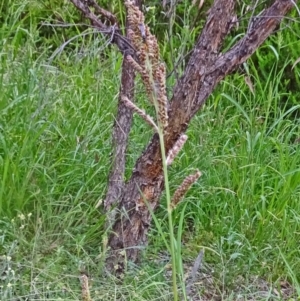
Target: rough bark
column 206, row 68
column 120, row 135
column 112, row 30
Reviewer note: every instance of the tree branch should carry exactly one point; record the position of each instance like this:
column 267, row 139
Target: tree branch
column 120, row 135
column 111, row 30
column 206, row 68
column 124, row 115
column 199, row 80
column 100, row 11
column 261, row 28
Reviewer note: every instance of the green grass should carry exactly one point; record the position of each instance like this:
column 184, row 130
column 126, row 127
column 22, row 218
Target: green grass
column 55, row 123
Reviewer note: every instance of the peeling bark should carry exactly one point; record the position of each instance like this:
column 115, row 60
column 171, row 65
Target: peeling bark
column 120, row 135
column 206, row 68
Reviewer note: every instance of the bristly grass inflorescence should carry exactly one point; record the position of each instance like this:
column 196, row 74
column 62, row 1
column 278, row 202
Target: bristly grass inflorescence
column 55, row 145
column 153, row 74
column 149, row 66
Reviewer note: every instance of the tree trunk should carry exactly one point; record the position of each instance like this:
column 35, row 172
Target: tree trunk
column 120, row 135
column 207, row 66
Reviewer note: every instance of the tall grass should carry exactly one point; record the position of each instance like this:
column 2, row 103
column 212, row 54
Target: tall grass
column 55, row 123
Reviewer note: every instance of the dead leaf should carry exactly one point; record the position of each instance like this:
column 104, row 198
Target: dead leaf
column 200, row 3
column 249, row 84
column 296, row 62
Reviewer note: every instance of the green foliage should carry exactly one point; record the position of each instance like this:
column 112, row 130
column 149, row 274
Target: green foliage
column 282, row 49
column 56, row 115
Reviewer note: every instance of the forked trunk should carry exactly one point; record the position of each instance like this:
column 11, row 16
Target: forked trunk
column 132, row 202
column 206, row 68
